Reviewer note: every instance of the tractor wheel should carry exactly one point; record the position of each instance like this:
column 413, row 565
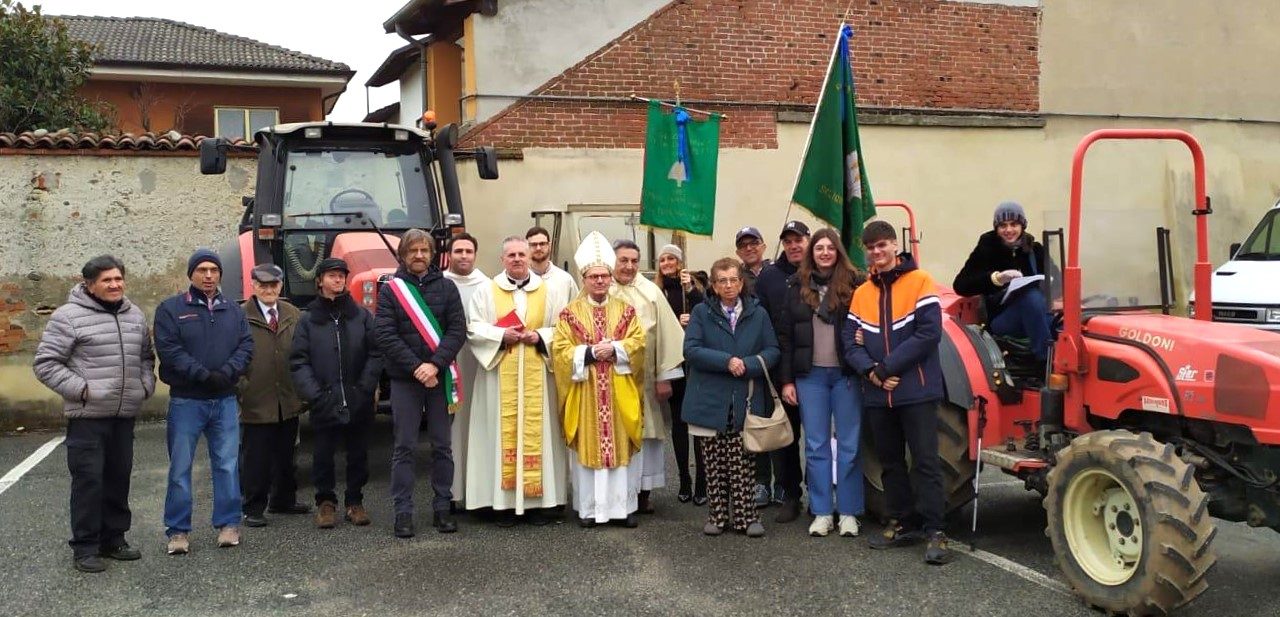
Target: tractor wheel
column 953, row 448
column 1129, row 523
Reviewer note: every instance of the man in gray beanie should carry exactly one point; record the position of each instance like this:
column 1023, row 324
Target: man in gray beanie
column 1003, row 255
column 205, row 346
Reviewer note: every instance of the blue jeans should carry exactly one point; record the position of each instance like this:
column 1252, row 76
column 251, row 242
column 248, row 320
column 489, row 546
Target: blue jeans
column 217, row 419
column 826, row 395
column 1027, row 315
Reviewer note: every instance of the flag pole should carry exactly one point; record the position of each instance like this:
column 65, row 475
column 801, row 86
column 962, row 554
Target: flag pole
column 674, row 105
column 822, row 92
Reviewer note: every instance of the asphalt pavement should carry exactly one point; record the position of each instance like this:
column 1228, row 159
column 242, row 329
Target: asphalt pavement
column 666, row 566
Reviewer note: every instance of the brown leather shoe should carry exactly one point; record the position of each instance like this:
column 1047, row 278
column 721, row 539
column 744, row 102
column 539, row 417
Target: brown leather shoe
column 357, row 516
column 327, row 515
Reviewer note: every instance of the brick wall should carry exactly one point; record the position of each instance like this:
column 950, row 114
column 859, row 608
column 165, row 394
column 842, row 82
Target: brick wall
column 906, row 53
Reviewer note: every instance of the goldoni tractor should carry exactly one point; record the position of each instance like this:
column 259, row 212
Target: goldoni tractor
column 1141, row 429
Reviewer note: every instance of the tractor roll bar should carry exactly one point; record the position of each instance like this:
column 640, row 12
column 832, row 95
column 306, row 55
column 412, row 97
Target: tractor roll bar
column 913, row 242
column 1071, row 274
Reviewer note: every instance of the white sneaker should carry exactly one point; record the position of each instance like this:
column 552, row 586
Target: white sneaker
column 848, row 526
column 821, row 526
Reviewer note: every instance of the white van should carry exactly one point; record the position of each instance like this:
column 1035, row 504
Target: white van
column 1246, row 289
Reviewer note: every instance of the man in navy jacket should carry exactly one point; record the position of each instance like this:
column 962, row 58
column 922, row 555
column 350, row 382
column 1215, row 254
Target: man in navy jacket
column 204, row 345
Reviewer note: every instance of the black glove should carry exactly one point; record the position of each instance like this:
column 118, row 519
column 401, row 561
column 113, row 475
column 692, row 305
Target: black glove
column 218, row 380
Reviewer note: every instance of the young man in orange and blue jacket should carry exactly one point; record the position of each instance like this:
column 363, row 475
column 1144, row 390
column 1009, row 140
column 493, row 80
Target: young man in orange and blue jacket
column 894, row 345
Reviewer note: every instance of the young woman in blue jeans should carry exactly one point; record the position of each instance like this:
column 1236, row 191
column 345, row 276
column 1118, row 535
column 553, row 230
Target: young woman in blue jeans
column 814, row 376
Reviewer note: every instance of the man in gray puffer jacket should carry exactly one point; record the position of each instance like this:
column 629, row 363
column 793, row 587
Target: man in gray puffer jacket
column 96, row 353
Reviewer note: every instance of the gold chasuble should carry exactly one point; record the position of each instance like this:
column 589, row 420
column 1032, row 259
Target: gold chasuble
column 600, row 407
column 521, row 375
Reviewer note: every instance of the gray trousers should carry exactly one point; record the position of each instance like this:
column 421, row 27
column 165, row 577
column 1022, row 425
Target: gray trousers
column 411, row 405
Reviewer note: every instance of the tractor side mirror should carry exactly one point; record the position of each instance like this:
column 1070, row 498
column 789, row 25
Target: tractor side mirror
column 1235, row 248
column 213, row 156
column 487, row 162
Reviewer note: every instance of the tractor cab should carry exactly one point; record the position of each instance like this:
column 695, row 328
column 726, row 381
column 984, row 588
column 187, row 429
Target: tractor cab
column 326, row 189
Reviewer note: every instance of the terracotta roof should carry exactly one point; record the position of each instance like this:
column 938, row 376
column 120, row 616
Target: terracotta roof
column 157, row 43
column 66, row 140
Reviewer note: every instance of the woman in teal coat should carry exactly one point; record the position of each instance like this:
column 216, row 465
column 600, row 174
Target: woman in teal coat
column 728, row 348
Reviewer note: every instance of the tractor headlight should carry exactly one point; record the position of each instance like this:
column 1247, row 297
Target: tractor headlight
column 366, row 290
column 1273, row 315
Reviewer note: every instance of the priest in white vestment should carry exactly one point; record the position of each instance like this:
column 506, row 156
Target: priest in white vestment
column 541, row 264
column 464, row 273
column 664, row 355
column 516, row 459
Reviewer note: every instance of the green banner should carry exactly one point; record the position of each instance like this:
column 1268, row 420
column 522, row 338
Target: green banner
column 832, row 183
column 680, row 157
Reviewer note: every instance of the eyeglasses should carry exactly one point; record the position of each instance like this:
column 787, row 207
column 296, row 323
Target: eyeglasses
column 598, row 277
column 750, row 244
column 728, row 281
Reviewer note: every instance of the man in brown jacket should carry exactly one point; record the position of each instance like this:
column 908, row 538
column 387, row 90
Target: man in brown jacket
column 269, row 408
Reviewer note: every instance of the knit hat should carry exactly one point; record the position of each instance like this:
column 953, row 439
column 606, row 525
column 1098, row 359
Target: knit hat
column 1009, row 211
column 201, row 256
column 672, row 250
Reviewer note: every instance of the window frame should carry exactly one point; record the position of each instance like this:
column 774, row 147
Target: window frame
column 244, row 111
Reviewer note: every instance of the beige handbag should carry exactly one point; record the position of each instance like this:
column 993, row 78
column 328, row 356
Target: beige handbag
column 760, row 434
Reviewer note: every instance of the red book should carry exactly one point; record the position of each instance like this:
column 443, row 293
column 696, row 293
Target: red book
column 510, row 320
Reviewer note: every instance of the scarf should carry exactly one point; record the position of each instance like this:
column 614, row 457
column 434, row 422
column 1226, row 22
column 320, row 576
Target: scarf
column 819, row 283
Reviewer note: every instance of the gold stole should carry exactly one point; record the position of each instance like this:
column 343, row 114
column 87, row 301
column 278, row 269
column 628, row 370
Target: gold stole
column 521, row 373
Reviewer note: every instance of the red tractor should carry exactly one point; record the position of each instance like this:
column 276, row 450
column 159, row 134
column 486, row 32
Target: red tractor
column 1142, row 427
column 327, row 189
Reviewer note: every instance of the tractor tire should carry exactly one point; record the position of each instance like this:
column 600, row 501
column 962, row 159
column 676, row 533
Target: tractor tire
column 1129, row 524
column 953, row 448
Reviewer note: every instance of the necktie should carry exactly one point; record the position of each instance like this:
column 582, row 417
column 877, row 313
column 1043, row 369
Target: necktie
column 271, row 318
column 733, row 319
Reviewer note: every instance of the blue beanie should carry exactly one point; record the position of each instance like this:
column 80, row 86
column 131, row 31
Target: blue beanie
column 201, row 256
column 1009, row 211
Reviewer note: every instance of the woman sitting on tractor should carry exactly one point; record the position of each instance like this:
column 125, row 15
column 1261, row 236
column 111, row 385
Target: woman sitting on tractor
column 1002, row 256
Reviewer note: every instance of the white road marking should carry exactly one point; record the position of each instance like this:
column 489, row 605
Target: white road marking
column 16, row 473
column 1019, row 570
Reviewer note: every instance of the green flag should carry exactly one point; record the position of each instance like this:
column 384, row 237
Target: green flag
column 680, row 155
column 832, row 182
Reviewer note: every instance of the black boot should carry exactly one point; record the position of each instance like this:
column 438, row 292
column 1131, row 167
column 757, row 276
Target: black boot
column 404, row 525
column 505, row 518
column 632, row 521
column 686, row 493
column 790, row 511
column 443, row 522
column 89, row 563
column 644, row 506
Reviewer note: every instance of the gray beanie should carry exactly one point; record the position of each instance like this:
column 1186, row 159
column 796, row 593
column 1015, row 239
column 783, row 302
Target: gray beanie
column 1009, row 211
column 673, row 250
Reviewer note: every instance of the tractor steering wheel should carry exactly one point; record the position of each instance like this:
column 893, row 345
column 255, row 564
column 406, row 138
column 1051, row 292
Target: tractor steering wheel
column 334, row 200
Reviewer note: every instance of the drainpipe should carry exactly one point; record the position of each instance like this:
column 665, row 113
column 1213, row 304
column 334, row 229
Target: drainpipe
column 421, row 44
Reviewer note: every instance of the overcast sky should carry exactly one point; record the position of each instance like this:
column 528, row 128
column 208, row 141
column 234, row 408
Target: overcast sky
column 353, row 36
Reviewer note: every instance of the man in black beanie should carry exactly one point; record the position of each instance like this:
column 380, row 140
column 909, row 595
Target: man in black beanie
column 204, row 345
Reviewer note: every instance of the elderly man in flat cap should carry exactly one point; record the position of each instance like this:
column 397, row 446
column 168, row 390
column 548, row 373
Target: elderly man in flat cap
column 269, row 407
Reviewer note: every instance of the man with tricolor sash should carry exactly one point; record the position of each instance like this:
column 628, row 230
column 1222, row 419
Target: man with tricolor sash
column 599, row 355
column 421, row 326
column 516, row 460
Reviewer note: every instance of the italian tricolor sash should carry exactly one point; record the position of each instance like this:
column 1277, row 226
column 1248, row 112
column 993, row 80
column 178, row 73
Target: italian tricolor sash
column 429, row 328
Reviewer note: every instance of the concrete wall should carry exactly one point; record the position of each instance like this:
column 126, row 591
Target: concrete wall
column 954, row 177
column 530, row 41
column 411, row 102
column 1174, row 58
column 150, row 211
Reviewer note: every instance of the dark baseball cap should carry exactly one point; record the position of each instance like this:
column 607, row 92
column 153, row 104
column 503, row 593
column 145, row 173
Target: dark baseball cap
column 794, row 227
column 332, row 263
column 746, row 232
column 267, row 273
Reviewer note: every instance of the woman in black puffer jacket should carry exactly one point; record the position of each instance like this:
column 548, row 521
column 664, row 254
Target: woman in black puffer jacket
column 683, row 292
column 813, row 376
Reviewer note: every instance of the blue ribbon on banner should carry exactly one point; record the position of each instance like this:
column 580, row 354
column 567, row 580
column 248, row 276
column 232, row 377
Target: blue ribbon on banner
column 682, row 137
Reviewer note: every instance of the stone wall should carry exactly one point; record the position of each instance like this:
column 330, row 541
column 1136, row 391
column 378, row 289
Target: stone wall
column 60, row 208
